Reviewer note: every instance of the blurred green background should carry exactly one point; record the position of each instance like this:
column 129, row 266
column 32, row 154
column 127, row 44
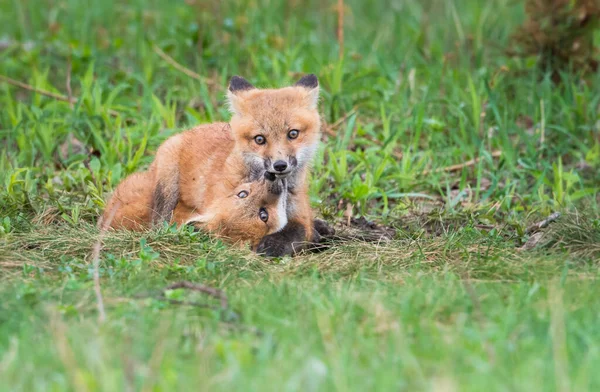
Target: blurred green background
column 431, row 126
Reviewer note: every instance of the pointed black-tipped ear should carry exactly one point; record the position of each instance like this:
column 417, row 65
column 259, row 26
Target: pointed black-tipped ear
column 309, row 81
column 237, row 83
column 311, row 84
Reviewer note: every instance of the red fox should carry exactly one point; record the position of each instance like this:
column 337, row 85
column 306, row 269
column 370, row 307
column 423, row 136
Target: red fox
column 241, row 214
column 273, row 133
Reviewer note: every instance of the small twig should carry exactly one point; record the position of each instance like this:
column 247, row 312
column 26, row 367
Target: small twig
column 71, row 104
column 340, row 27
column 213, row 292
column 532, row 242
column 27, row 87
column 460, row 166
column 348, row 213
column 540, row 225
column 485, row 227
column 9, row 264
column 330, row 129
column 189, row 303
column 161, row 297
column 344, row 117
column 183, row 69
column 68, row 83
column 104, row 225
column 58, row 97
column 543, row 128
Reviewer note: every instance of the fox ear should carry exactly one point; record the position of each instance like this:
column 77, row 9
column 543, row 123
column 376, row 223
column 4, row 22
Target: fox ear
column 199, row 218
column 309, row 81
column 237, row 85
column 311, row 84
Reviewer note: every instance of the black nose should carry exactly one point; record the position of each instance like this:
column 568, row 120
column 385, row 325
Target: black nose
column 280, row 166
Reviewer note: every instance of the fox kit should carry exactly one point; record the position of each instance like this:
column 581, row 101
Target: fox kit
column 272, row 133
column 245, row 214
column 241, row 214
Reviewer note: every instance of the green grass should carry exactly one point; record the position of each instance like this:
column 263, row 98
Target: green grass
column 453, row 302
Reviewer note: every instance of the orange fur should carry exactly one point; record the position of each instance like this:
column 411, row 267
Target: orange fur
column 198, row 172
column 226, row 214
column 272, row 113
column 238, row 219
column 132, row 200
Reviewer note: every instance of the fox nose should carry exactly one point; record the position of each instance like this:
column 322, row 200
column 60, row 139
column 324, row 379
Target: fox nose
column 280, row 166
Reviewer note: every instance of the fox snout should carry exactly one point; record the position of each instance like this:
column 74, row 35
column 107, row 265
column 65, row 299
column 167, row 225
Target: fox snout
column 280, row 167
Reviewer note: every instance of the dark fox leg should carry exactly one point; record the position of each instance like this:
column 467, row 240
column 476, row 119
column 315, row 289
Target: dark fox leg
column 297, row 234
column 164, row 200
column 322, row 230
column 165, row 171
column 290, row 240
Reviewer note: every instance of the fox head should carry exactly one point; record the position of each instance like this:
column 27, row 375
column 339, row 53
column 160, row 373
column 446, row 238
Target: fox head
column 276, row 130
column 248, row 213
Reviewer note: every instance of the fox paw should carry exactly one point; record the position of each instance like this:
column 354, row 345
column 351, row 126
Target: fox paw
column 322, row 231
column 291, row 240
column 287, row 242
column 275, row 246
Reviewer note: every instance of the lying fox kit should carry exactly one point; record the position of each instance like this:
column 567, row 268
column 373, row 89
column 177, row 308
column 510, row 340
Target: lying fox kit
column 252, row 211
column 242, row 214
column 273, row 133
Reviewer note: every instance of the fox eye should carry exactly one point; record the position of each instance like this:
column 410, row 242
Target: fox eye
column 260, row 139
column 263, row 215
column 293, row 133
column 242, row 194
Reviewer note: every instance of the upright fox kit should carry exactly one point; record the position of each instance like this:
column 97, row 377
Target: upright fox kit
column 273, row 133
column 242, row 214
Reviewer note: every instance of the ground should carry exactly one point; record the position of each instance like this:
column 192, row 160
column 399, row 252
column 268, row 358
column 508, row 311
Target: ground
column 431, row 131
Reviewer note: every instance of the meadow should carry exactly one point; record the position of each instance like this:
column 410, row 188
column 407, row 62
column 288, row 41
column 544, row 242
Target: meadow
column 431, row 130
